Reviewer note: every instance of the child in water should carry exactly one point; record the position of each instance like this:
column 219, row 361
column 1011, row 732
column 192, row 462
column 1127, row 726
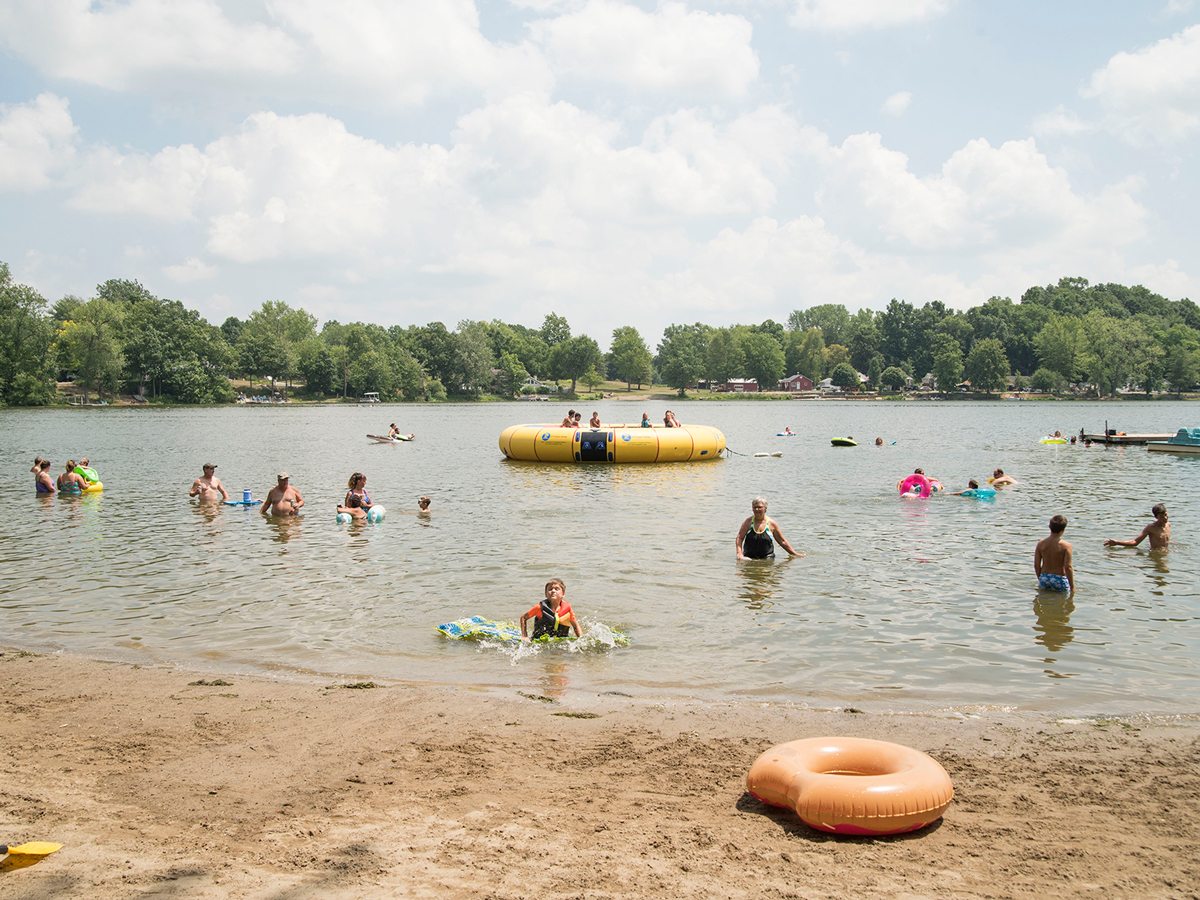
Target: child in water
column 553, row 616
column 1052, row 559
column 1159, row 532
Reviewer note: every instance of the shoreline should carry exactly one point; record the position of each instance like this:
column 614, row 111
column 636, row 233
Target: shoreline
column 248, row 786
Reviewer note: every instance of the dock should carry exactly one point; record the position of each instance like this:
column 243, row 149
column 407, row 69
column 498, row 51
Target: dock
column 1126, row 438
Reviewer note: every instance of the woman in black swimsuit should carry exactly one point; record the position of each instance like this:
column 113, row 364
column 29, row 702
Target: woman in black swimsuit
column 754, row 537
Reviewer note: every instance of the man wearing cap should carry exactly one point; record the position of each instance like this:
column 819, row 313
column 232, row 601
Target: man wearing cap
column 208, row 486
column 283, row 500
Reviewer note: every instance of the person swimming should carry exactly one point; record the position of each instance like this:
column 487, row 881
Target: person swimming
column 553, row 617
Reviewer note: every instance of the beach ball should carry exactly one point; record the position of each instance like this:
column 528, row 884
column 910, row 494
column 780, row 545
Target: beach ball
column 376, row 514
column 344, row 518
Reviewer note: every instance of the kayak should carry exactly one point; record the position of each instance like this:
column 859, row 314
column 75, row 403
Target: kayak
column 844, row 442
column 384, row 439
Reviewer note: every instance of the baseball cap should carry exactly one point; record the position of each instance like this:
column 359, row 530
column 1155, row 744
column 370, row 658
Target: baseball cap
column 283, row 475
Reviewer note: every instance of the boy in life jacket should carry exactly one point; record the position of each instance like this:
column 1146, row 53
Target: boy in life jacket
column 553, row 617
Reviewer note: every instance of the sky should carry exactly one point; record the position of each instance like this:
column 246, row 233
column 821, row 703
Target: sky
column 617, row 163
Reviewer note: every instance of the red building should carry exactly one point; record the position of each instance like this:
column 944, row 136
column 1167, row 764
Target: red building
column 796, row 383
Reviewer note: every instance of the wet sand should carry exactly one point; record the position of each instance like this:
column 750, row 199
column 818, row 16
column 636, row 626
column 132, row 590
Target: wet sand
column 268, row 789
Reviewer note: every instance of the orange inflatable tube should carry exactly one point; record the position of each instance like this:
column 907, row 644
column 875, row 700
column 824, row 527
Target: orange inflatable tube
column 853, row 785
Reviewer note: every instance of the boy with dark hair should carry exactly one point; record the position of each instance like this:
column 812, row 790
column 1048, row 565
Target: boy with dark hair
column 1159, row 532
column 553, row 617
column 1052, row 559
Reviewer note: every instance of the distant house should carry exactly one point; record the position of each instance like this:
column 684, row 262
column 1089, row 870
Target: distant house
column 826, row 384
column 740, row 386
column 797, row 382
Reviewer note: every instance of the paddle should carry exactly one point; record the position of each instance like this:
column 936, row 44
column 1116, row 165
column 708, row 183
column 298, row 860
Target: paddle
column 32, row 848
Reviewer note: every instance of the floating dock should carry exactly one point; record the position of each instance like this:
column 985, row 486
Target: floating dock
column 1126, row 438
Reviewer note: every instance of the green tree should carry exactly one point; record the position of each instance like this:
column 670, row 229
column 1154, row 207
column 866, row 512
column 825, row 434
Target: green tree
column 864, row 338
column 555, row 329
column 947, row 362
column 89, row 344
column 835, row 355
column 433, row 347
column 682, row 355
column 574, row 356
column 831, row 318
column 724, row 357
column 875, row 371
column 898, row 332
column 26, row 339
column 512, row 373
column 987, row 365
column 317, row 368
column 845, row 377
column 1181, row 362
column 591, row 379
column 1114, row 353
column 894, row 378
column 764, row 360
column 631, row 356
column 473, row 352
column 1047, row 381
column 1058, row 345
column 805, row 353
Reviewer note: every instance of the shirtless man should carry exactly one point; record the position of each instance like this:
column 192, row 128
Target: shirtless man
column 1159, row 532
column 595, row 422
column 283, row 499
column 1052, row 559
column 208, row 486
column 999, row 479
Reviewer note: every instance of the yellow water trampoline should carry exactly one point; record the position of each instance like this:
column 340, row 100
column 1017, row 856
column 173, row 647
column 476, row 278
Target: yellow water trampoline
column 612, row 444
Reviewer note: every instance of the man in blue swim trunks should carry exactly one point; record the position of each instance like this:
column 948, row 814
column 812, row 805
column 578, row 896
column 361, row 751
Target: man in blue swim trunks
column 1052, row 559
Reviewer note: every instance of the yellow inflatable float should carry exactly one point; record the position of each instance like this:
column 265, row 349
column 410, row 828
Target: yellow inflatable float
column 612, row 443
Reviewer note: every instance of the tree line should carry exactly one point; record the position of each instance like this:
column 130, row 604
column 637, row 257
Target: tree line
column 126, row 340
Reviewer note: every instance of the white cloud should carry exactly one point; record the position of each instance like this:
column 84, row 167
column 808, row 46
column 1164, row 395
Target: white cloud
column 896, row 105
column 385, row 53
column 192, row 269
column 37, row 140
column 1060, row 121
column 853, row 15
column 671, row 49
column 985, row 200
column 142, row 43
column 164, row 186
column 1153, row 94
column 400, row 51
column 1175, row 7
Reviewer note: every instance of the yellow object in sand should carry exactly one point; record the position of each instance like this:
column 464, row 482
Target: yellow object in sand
column 31, row 848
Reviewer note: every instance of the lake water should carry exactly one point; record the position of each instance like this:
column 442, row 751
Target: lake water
column 895, row 605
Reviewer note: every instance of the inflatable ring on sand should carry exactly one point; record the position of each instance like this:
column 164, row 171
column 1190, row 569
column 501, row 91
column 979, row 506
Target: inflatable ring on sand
column 853, row 785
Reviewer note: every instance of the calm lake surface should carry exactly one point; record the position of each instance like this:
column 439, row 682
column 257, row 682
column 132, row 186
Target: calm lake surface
column 897, row 604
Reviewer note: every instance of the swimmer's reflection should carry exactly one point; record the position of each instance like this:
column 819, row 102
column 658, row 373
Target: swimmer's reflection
column 761, row 581
column 360, row 539
column 209, row 514
column 1159, row 568
column 285, row 528
column 554, row 680
column 1053, row 610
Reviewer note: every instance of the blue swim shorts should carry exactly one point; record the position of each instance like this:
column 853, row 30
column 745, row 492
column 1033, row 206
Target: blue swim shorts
column 1049, row 582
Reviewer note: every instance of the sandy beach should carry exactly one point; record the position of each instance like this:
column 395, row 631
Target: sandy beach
column 161, row 787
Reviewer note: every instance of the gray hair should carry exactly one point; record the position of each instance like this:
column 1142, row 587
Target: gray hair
column 758, row 500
